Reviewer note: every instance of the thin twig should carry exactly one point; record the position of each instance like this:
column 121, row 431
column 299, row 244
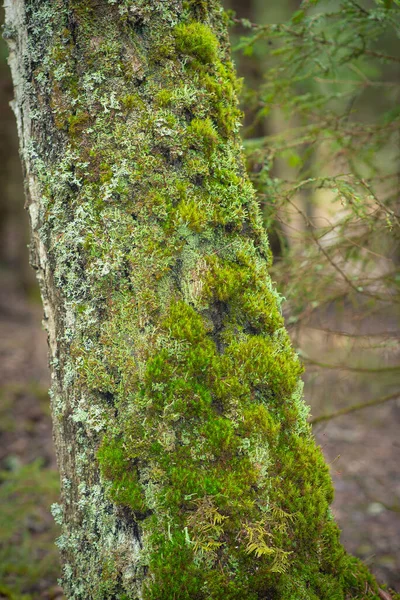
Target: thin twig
column 354, row 408
column 393, row 334
column 317, row 363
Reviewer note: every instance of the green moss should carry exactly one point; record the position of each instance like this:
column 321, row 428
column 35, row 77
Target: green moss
column 223, row 86
column 224, row 279
column 218, row 462
column 196, row 40
column 190, row 213
column 202, row 135
column 163, row 98
column 131, row 101
column 125, row 488
column 106, row 173
column 77, row 122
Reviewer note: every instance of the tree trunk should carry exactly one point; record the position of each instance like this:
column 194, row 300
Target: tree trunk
column 188, row 469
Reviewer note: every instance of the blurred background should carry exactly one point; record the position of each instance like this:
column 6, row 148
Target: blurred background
column 321, row 87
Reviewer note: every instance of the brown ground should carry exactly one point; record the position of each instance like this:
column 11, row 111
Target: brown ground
column 362, row 449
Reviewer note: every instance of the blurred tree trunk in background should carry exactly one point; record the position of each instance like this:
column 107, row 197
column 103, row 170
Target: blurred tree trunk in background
column 188, row 468
column 252, row 69
column 14, row 233
column 259, row 125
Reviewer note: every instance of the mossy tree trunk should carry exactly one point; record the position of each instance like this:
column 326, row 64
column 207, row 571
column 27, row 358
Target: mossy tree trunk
column 188, row 469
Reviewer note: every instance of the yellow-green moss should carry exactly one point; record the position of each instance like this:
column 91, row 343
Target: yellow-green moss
column 196, row 40
column 115, row 466
column 202, row 135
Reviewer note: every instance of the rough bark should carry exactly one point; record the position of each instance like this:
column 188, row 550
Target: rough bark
column 188, row 469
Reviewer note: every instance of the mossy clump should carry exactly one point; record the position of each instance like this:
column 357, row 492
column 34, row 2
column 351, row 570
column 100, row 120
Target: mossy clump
column 163, row 98
column 77, row 122
column 191, row 214
column 125, row 487
column 202, row 135
column 197, row 40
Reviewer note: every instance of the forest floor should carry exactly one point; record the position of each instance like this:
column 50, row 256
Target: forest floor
column 361, row 449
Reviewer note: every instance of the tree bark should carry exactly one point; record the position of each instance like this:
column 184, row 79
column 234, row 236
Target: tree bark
column 188, row 468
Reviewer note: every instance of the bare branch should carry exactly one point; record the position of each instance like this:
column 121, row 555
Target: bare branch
column 354, row 408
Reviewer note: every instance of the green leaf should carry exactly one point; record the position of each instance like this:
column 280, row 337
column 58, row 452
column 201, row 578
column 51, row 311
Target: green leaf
column 298, row 16
column 294, row 160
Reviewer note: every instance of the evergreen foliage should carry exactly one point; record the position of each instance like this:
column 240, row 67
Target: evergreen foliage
column 331, row 78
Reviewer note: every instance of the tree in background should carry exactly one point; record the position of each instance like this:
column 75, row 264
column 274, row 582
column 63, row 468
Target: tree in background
column 187, row 465
column 331, row 76
column 13, row 229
